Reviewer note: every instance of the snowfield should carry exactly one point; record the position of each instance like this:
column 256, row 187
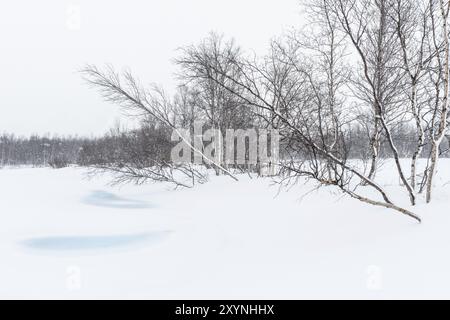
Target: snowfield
column 68, row 237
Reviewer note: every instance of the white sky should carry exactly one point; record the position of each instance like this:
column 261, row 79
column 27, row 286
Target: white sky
column 42, row 46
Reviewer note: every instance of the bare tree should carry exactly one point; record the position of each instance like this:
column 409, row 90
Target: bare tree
column 296, row 107
column 439, row 11
column 411, row 19
column 217, row 106
column 374, row 43
column 150, row 104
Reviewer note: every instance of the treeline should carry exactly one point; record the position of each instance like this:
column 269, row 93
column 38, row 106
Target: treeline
column 406, row 142
column 118, row 145
column 145, row 145
column 39, row 151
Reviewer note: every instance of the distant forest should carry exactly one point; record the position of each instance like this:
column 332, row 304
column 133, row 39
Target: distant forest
column 61, row 151
column 141, row 145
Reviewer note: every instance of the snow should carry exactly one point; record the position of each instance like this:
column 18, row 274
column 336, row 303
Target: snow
column 68, row 237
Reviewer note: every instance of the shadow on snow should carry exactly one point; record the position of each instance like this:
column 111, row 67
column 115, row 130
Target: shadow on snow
column 110, row 200
column 65, row 243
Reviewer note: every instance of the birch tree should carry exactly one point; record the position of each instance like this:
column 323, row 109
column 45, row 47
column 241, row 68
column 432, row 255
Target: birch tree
column 411, row 19
column 369, row 30
column 153, row 105
column 439, row 11
column 296, row 104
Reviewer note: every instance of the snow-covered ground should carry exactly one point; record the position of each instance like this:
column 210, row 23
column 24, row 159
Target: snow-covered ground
column 64, row 236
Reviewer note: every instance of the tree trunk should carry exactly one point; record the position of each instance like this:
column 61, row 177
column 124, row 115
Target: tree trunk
column 444, row 111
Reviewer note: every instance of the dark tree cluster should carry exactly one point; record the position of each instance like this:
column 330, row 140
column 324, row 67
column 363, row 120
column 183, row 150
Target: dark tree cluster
column 39, row 151
column 144, row 147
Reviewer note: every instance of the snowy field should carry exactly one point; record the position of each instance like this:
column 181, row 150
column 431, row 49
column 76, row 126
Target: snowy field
column 65, row 236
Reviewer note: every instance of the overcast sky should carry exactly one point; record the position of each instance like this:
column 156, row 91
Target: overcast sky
column 44, row 43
